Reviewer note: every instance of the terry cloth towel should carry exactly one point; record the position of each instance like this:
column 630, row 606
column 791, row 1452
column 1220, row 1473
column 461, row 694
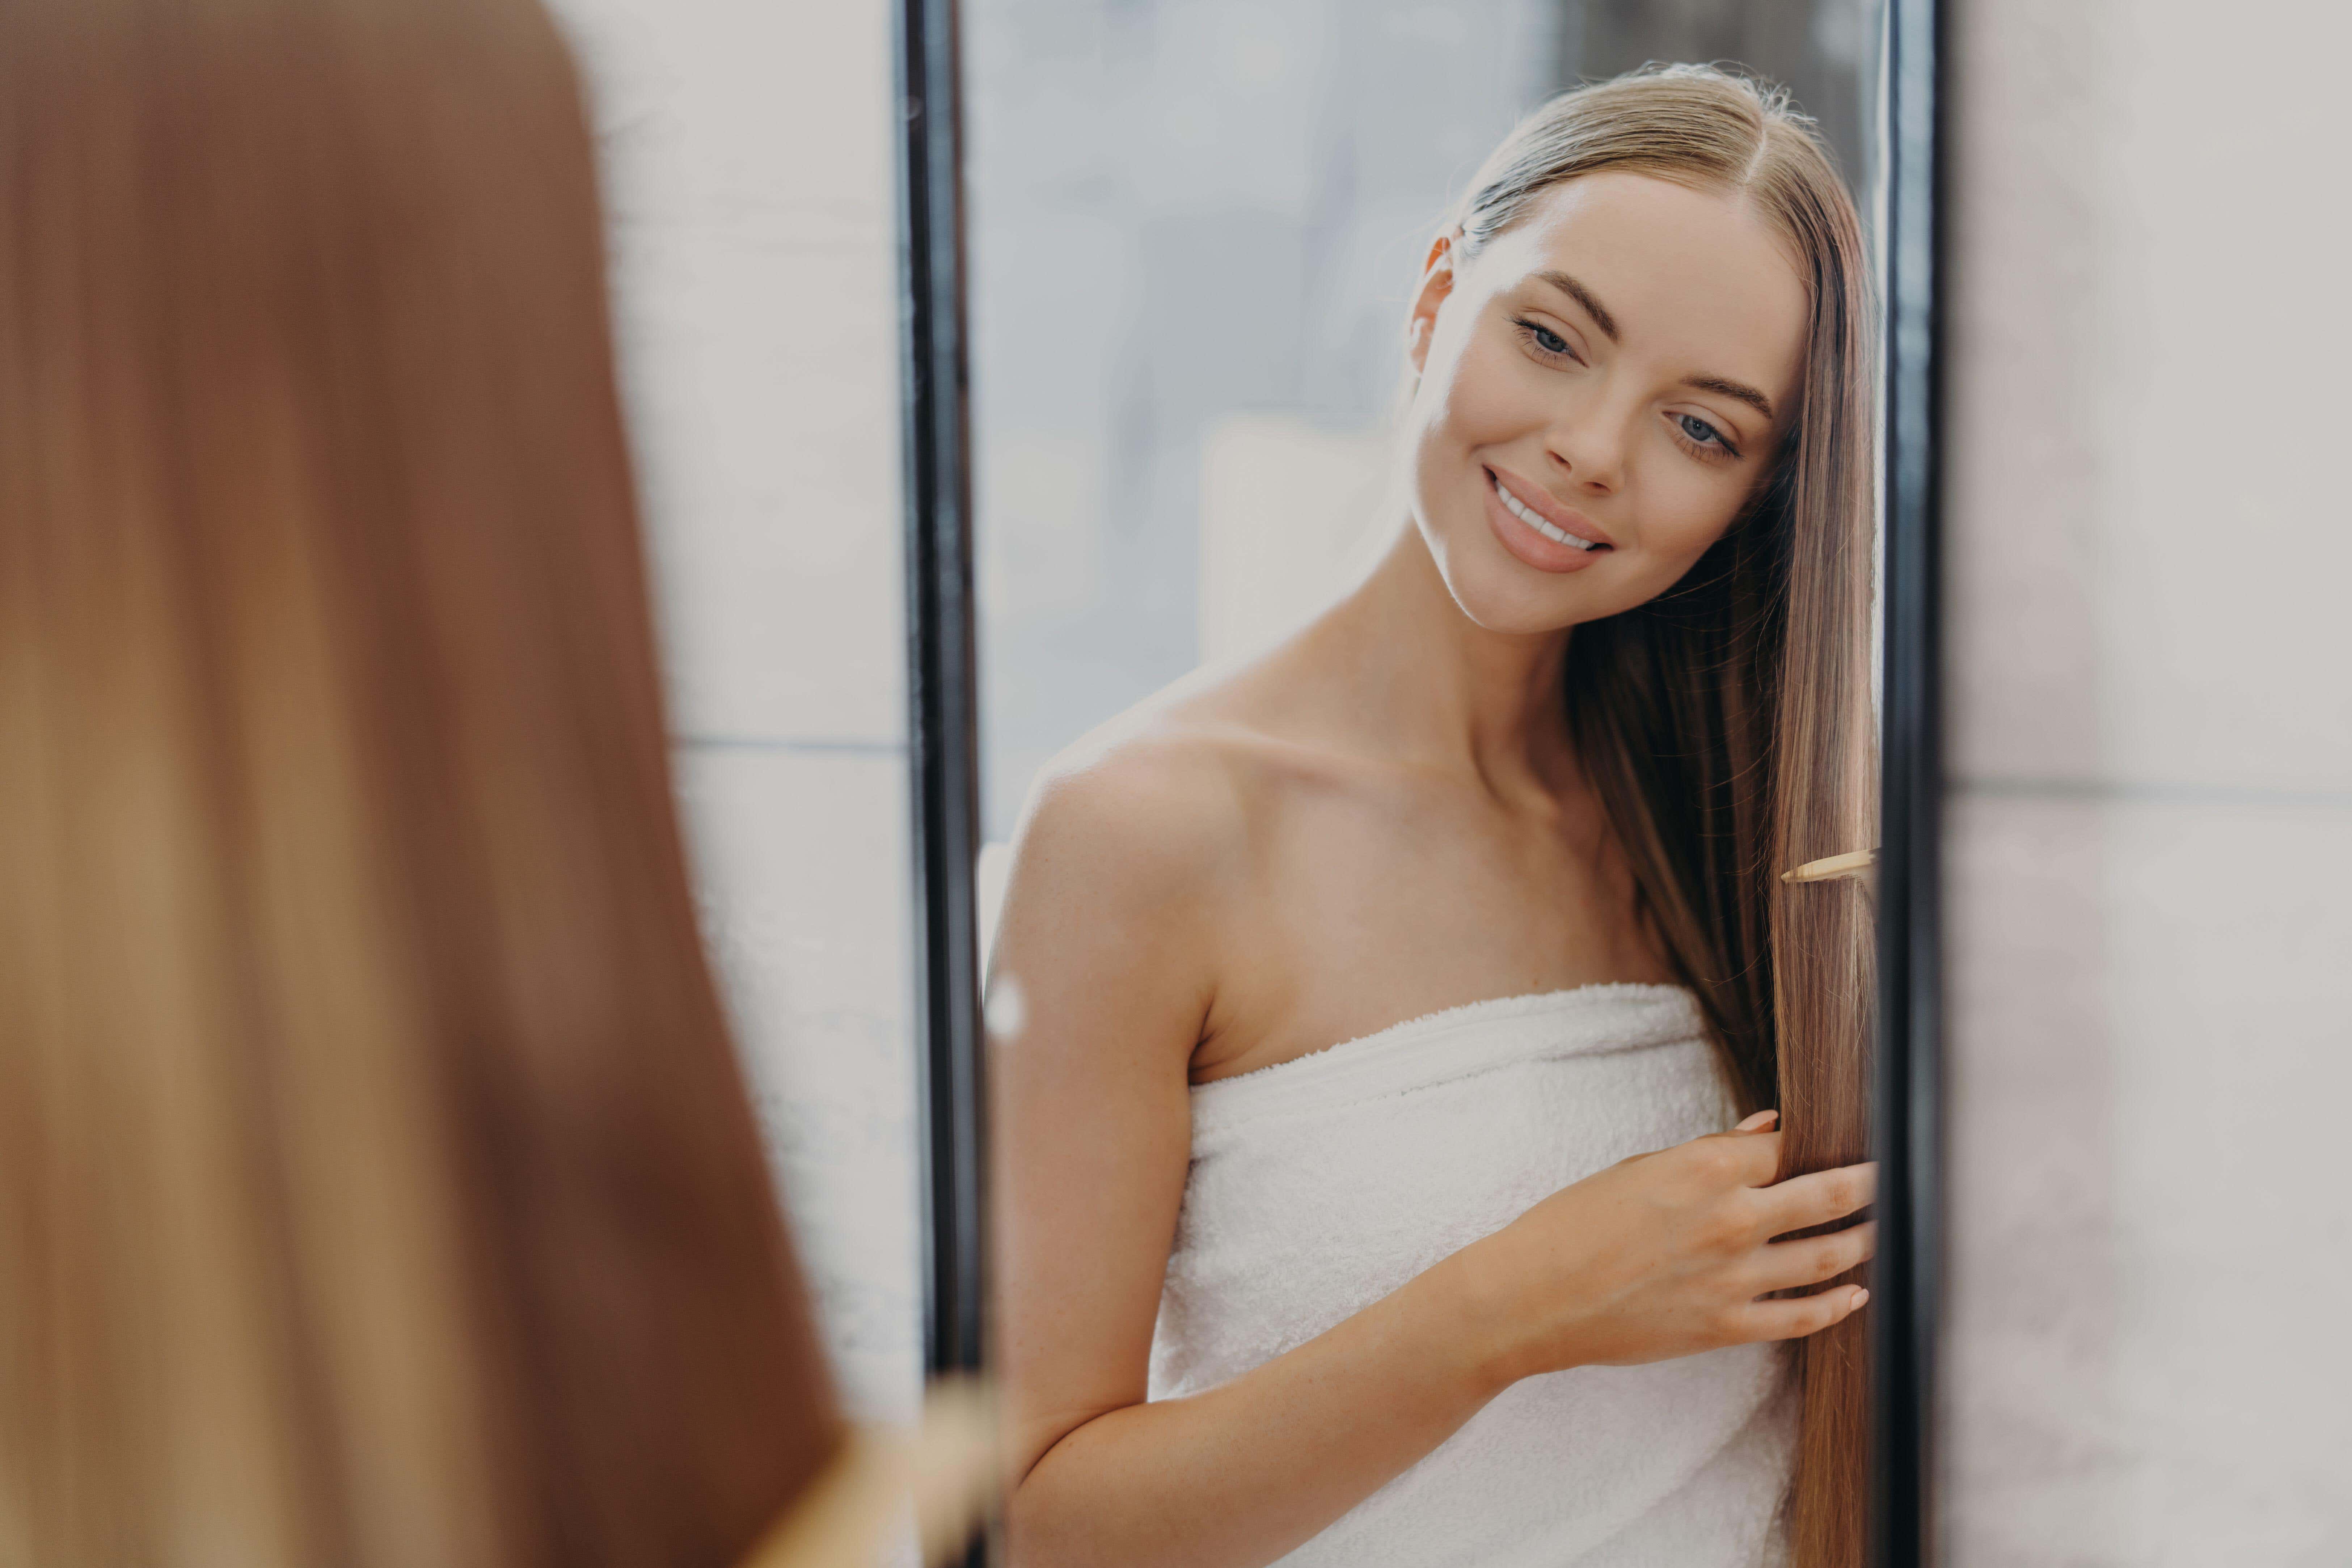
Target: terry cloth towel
column 1320, row 1184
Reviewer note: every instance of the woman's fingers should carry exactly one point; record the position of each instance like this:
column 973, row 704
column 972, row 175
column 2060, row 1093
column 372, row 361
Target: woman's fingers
column 1737, row 1159
column 1798, row 1316
column 1802, row 1202
column 1814, row 1258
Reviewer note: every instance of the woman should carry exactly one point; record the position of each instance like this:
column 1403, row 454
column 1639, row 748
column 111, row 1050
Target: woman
column 1527, row 789
column 377, row 1186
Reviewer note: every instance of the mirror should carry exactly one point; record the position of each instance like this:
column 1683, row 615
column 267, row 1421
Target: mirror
column 1400, row 663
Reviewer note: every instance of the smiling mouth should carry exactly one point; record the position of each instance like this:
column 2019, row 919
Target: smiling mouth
column 1529, row 515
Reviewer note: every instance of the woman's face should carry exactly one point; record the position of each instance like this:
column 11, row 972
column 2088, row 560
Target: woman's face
column 1602, row 388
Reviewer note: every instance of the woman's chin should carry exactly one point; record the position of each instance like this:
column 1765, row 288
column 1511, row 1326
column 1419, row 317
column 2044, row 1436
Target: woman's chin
column 1504, row 597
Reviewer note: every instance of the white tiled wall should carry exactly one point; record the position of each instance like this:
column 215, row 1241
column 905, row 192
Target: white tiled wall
column 749, row 169
column 2151, row 825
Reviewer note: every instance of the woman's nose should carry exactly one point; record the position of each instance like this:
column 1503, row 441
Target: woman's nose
column 1589, row 450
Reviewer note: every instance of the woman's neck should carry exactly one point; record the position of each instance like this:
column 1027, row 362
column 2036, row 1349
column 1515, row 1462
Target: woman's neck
column 1442, row 689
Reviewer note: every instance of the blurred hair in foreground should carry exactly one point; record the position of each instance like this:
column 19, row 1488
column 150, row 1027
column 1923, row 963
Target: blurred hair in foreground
column 376, row 1182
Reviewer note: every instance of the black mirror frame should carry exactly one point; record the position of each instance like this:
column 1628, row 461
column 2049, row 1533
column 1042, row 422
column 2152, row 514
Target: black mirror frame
column 943, row 749
column 1907, row 1276
column 942, row 682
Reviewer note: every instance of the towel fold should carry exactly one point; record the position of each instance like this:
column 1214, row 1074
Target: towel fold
column 1320, row 1184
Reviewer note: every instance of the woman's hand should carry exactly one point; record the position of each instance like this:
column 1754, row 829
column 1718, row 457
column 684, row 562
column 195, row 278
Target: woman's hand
column 1666, row 1254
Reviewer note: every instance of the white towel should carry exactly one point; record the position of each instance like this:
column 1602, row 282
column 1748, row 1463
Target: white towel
column 1320, row 1184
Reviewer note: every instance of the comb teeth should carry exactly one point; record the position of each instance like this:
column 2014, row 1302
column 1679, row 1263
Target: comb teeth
column 1858, row 863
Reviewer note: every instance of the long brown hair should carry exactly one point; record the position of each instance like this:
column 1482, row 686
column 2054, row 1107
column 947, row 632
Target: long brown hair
column 377, row 1186
column 1727, row 723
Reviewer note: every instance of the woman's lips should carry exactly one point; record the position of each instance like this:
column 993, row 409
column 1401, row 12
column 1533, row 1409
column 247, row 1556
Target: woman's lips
column 1533, row 538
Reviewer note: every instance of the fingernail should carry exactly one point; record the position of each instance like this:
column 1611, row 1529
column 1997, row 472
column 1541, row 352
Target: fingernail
column 1860, row 1296
column 1757, row 1120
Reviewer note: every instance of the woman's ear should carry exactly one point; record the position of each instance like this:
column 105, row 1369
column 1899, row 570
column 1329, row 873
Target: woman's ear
column 1436, row 283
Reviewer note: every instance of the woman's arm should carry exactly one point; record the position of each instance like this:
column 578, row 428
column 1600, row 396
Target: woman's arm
column 1109, row 933
column 1244, row 1472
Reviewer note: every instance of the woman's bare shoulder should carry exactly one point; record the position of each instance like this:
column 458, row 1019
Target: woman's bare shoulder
column 1128, row 862
column 1140, row 865
column 1169, row 794
column 1153, row 792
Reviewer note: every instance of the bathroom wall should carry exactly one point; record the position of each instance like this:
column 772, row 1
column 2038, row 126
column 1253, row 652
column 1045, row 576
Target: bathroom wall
column 2150, row 809
column 749, row 169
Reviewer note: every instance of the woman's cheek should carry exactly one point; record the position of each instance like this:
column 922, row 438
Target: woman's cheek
column 1696, row 510
column 1485, row 402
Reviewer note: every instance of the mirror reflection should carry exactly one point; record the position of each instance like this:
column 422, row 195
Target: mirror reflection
column 1425, row 461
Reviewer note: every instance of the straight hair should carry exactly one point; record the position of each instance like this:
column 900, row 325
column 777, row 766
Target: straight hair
column 377, row 1182
column 1726, row 724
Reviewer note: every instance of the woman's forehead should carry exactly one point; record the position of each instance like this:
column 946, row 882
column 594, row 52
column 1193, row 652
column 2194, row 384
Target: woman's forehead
column 1663, row 269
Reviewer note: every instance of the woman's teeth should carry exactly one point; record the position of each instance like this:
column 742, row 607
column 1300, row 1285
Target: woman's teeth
column 1526, row 514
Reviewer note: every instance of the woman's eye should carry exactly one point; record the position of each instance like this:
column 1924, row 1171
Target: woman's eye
column 1700, row 431
column 1546, row 341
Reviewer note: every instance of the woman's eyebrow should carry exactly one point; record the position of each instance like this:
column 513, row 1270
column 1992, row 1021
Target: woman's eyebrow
column 1584, row 297
column 1738, row 389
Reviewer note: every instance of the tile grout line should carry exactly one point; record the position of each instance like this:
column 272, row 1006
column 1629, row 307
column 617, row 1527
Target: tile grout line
column 2158, row 794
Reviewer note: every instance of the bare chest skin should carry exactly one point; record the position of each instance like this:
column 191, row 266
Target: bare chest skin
column 1376, row 892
